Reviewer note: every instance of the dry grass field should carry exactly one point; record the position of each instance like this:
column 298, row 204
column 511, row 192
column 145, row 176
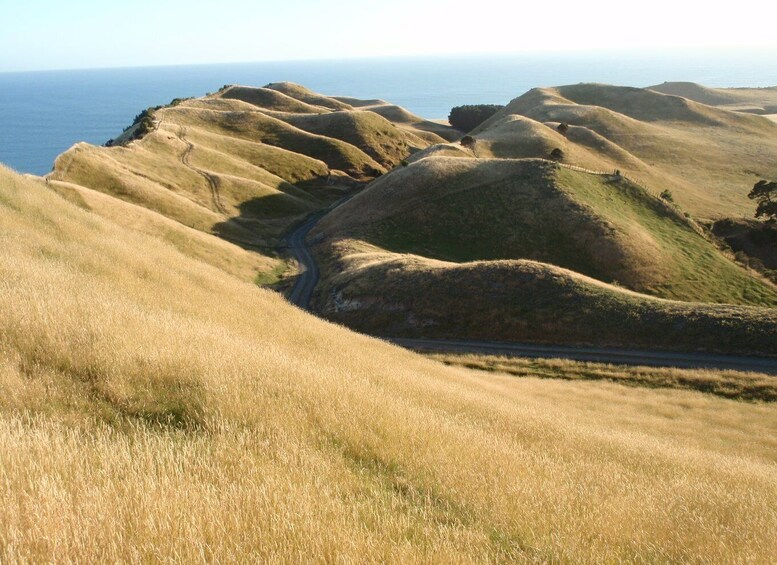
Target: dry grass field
column 156, row 408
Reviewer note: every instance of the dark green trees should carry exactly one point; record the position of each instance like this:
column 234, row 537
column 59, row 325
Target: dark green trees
column 765, row 193
column 467, row 118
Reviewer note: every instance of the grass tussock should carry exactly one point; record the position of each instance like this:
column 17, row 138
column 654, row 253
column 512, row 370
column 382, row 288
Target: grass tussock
column 751, row 387
column 153, row 407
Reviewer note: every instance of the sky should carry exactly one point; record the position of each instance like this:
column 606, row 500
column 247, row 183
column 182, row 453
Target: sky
column 51, row 34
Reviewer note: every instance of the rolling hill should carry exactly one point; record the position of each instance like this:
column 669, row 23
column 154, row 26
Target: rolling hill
column 459, row 209
column 751, row 100
column 530, row 250
column 241, row 165
column 708, row 157
column 154, row 407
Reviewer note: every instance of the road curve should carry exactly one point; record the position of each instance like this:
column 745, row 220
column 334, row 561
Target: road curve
column 309, row 275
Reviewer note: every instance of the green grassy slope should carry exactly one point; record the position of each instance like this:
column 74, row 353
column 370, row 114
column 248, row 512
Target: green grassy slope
column 465, row 210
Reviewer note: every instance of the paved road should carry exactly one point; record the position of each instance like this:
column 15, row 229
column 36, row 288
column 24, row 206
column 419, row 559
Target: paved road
column 309, row 273
column 595, row 354
column 308, row 278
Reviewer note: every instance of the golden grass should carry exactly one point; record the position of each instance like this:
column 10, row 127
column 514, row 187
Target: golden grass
column 235, row 165
column 153, row 408
column 708, row 157
column 202, row 246
column 754, row 387
column 755, row 100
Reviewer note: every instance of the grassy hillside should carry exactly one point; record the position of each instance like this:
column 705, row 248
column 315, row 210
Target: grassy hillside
column 379, row 138
column 244, row 164
column 462, row 210
column 307, row 96
column 205, row 247
column 708, row 157
column 153, row 407
column 269, row 99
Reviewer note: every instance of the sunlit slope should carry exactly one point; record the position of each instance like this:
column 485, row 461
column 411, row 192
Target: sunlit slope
column 461, row 210
column 245, row 163
column 307, row 96
column 707, row 157
column 214, row 250
column 153, row 407
column 752, row 100
column 379, row 138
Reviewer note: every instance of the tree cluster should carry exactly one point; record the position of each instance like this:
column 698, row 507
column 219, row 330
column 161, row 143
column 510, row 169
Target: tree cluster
column 466, row 118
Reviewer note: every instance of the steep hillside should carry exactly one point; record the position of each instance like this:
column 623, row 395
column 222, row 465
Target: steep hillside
column 154, row 408
column 605, row 227
column 707, row 157
column 244, row 164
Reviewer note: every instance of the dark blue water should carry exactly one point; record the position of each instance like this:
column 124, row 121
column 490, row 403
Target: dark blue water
column 44, row 113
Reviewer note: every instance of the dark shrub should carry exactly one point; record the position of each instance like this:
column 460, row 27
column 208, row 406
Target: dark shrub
column 467, row 118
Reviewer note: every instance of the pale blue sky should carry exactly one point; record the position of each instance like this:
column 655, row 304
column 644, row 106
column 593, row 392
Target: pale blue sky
column 52, row 34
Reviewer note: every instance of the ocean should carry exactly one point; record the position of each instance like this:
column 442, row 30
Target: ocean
column 44, row 113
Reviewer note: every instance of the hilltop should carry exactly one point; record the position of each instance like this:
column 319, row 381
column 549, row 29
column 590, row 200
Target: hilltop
column 243, row 165
column 606, row 227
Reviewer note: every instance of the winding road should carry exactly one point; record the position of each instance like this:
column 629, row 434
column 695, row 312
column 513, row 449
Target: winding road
column 309, row 275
